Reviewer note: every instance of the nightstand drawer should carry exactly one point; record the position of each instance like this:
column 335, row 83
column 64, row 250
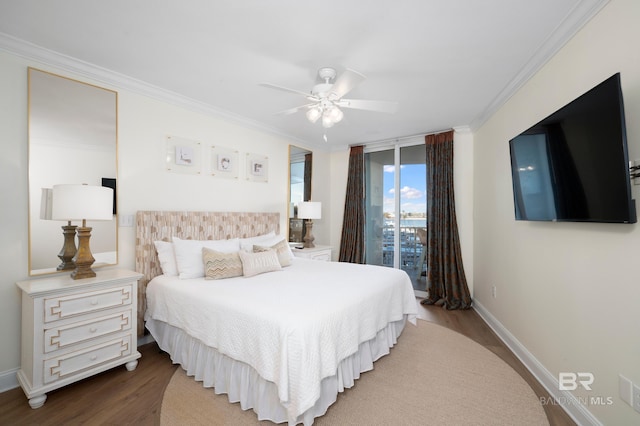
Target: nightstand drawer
column 60, row 337
column 324, row 256
column 67, row 365
column 322, row 253
column 57, row 308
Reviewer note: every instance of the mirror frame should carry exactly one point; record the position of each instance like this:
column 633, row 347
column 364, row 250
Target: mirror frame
column 34, row 199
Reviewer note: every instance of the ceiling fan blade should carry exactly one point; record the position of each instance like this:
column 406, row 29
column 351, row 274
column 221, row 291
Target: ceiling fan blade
column 378, row 106
column 286, row 89
column 345, row 82
column 294, row 110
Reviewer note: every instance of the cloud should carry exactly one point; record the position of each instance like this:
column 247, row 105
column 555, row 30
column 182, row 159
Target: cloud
column 390, row 169
column 410, row 193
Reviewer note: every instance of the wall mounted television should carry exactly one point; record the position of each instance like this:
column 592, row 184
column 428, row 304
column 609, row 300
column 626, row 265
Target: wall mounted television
column 573, row 166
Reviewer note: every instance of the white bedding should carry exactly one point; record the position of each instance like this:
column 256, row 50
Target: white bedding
column 293, row 326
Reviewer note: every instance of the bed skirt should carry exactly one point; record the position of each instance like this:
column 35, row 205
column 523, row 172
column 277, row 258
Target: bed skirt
column 243, row 384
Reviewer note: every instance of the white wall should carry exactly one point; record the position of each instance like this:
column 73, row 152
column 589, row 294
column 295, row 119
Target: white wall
column 568, row 292
column 143, row 182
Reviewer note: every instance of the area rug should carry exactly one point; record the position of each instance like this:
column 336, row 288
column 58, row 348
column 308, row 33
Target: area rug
column 433, row 376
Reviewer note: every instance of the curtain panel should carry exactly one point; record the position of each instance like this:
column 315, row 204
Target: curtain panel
column 446, row 281
column 308, row 163
column 352, row 239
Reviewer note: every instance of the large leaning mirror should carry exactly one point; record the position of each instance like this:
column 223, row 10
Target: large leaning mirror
column 300, row 162
column 72, row 140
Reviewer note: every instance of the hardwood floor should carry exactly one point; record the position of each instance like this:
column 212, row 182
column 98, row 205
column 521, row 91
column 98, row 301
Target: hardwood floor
column 120, row 397
column 115, row 397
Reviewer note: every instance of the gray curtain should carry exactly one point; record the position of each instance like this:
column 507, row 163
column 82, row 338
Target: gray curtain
column 446, row 281
column 352, row 240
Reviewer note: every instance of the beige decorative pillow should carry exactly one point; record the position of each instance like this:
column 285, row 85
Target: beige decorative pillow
column 282, row 250
column 189, row 254
column 258, row 263
column 218, row 265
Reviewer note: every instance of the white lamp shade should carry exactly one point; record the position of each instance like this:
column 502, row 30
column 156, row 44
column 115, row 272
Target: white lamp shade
column 82, row 202
column 310, row 210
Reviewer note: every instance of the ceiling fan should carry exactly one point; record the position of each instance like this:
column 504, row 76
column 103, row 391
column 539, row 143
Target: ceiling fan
column 326, row 99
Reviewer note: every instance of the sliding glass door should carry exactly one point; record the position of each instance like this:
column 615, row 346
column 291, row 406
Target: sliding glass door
column 396, row 210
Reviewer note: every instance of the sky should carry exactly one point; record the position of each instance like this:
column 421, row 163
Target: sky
column 413, row 188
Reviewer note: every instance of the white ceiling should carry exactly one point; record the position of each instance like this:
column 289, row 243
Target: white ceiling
column 448, row 63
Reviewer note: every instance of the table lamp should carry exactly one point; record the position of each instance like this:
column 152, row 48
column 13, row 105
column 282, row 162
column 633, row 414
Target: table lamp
column 309, row 210
column 82, row 202
column 68, row 250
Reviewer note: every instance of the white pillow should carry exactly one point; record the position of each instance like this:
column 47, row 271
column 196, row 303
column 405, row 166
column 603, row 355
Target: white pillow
column 272, row 241
column 281, row 248
column 246, row 244
column 258, row 263
column 189, row 254
column 167, row 257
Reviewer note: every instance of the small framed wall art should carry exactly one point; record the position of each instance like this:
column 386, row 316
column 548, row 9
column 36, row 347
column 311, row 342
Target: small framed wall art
column 257, row 168
column 183, row 155
column 224, row 162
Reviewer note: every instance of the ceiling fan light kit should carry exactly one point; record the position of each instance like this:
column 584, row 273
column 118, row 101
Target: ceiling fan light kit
column 327, row 98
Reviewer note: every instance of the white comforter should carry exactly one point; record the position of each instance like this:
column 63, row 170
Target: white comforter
column 292, row 326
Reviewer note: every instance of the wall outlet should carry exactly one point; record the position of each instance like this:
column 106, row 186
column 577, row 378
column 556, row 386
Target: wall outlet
column 493, row 291
column 625, row 389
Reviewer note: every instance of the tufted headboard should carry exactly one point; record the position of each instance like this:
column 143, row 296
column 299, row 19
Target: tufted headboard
column 163, row 225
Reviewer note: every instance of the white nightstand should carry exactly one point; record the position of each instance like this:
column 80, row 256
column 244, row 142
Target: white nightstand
column 315, row 253
column 73, row 329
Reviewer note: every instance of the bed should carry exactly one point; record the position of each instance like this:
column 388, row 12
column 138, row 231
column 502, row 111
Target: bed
column 284, row 341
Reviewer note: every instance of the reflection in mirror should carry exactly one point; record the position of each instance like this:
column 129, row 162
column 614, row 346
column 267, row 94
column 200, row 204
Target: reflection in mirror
column 72, row 140
column 300, row 162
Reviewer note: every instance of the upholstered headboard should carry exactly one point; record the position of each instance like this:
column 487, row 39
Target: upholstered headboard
column 163, row 225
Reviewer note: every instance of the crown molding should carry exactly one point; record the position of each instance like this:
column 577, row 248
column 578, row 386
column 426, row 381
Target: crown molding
column 575, row 19
column 47, row 57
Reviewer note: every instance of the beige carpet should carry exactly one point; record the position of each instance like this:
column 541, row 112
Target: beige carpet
column 433, row 376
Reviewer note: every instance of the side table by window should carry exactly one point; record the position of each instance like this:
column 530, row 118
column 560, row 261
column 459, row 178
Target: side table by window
column 315, row 253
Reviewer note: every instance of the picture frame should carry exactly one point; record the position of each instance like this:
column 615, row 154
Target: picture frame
column 257, row 167
column 183, row 155
column 224, row 162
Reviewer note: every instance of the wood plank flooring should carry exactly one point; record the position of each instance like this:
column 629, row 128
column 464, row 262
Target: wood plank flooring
column 120, row 397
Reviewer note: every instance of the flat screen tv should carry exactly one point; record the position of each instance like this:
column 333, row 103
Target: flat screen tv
column 573, row 166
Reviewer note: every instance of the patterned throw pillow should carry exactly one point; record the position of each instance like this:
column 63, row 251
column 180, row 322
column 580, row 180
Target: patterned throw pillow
column 189, row 254
column 218, row 265
column 282, row 250
column 258, row 263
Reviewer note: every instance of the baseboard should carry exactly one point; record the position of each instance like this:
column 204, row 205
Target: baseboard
column 8, row 380
column 147, row 338
column 577, row 411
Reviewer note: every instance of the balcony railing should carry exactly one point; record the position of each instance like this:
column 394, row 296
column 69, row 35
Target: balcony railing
column 410, row 246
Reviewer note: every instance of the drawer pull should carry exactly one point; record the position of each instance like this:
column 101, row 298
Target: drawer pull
column 94, row 301
column 94, row 357
column 93, row 330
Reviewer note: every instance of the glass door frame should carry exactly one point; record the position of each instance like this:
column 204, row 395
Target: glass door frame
column 396, row 146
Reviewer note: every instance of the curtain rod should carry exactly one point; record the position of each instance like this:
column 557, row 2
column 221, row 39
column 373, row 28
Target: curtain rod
column 382, row 141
